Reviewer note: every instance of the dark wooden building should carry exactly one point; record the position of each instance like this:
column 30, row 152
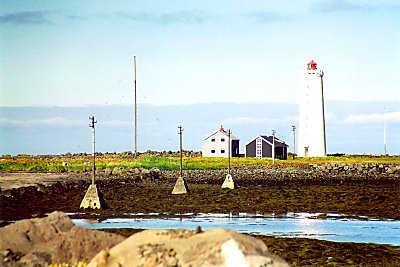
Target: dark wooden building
column 261, row 147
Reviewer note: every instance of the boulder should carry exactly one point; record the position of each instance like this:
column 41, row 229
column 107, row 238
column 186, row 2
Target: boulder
column 54, row 239
column 117, row 171
column 108, row 171
column 219, row 247
column 145, row 172
column 155, row 173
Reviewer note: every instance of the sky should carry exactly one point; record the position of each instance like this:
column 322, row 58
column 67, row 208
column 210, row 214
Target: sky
column 192, row 56
column 77, row 53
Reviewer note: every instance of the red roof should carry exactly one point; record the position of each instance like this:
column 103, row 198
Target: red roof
column 312, row 65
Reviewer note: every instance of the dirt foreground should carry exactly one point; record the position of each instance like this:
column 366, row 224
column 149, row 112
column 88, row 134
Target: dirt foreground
column 33, row 195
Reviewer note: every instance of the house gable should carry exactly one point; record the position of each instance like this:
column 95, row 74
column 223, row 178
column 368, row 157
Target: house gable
column 217, row 144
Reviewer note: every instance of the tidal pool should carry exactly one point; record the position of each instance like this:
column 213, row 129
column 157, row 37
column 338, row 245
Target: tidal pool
column 331, row 227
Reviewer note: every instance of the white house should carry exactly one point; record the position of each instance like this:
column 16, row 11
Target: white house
column 216, row 144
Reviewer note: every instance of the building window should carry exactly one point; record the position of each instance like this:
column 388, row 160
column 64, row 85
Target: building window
column 213, row 151
column 213, row 140
column 222, row 151
column 259, row 148
column 222, row 139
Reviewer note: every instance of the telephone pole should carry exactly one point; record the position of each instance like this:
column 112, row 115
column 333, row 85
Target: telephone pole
column 229, row 151
column 135, row 107
column 180, row 184
column 228, row 182
column 91, row 125
column 180, row 149
column 294, row 140
column 92, row 197
column 273, row 146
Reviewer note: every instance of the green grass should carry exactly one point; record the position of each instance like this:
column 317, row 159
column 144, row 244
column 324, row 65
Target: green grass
column 77, row 164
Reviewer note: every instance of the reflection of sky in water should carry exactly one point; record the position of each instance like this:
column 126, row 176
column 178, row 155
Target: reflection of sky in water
column 334, row 228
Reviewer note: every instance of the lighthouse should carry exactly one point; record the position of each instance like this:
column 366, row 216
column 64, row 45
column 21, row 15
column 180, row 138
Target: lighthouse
column 311, row 134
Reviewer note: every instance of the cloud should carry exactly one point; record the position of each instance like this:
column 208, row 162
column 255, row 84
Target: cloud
column 328, row 6
column 58, row 122
column 254, row 121
column 392, row 117
column 76, row 17
column 26, row 17
column 264, row 17
column 117, row 123
column 184, row 17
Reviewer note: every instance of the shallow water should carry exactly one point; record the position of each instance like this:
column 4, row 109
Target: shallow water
column 332, row 227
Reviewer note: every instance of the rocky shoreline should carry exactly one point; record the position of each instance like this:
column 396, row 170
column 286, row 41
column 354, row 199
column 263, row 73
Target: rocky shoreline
column 279, row 189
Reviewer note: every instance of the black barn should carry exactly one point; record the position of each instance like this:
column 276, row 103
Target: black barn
column 261, row 147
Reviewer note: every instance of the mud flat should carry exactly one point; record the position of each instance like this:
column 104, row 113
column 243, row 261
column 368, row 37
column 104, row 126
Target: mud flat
column 259, row 190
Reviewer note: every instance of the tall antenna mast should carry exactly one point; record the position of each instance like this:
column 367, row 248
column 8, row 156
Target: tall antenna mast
column 134, row 74
column 384, row 131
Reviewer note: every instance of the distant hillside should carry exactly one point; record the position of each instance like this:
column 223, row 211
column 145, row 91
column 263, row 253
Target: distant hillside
column 352, row 127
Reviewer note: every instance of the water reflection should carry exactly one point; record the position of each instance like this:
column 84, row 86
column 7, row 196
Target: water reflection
column 332, row 227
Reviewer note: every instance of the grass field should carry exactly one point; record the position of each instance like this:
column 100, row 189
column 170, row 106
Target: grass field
column 83, row 163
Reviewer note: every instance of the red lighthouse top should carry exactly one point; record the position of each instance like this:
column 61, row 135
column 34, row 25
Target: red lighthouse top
column 312, row 65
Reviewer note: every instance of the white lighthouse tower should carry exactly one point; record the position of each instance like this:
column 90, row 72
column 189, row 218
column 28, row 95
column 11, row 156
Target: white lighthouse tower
column 311, row 142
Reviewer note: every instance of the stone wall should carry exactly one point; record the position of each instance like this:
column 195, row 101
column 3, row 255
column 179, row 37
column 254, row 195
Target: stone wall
column 313, row 174
column 325, row 174
column 360, row 168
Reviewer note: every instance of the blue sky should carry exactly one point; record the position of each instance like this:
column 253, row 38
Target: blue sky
column 80, row 54
column 74, row 53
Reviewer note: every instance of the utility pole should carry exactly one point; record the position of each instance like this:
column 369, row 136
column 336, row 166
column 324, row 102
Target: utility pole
column 134, row 75
column 228, row 182
column 273, row 146
column 294, row 140
column 180, row 149
column 180, row 184
column 92, row 197
column 229, row 151
column 94, row 148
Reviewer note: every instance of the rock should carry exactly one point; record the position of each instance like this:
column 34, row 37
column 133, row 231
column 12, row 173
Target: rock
column 136, row 171
column 54, row 239
column 390, row 170
column 155, row 173
column 119, row 171
column 108, row 171
column 144, row 171
column 219, row 247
